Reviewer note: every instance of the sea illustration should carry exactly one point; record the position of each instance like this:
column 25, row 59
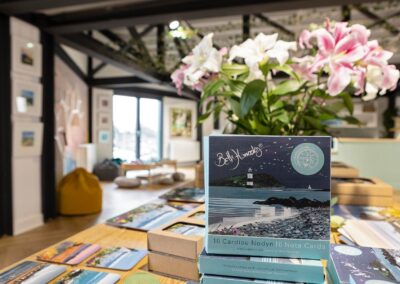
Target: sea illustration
column 277, row 187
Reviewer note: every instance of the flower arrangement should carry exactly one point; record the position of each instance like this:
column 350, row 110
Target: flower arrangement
column 264, row 89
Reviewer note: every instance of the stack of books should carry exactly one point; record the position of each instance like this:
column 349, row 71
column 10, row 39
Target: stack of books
column 267, row 209
column 362, row 191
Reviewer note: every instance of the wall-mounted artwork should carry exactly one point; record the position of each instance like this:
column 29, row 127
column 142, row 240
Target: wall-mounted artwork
column 104, row 120
column 181, row 123
column 104, row 136
column 27, row 98
column 105, row 103
column 27, row 139
column 26, row 56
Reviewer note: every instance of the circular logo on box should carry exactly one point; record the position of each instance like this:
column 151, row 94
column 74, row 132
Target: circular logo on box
column 307, row 159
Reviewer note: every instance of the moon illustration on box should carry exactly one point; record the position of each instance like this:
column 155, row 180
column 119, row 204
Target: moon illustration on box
column 347, row 250
column 307, row 159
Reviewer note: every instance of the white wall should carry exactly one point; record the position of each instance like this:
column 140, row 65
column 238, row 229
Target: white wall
column 104, row 150
column 26, row 171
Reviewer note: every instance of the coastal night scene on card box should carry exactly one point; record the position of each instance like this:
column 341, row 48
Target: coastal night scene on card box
column 268, row 195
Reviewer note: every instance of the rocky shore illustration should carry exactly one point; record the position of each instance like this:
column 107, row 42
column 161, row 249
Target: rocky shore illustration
column 293, row 202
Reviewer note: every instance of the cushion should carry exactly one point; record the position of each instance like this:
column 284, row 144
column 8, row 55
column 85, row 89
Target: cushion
column 106, row 170
column 166, row 181
column 124, row 182
column 178, row 176
column 79, row 193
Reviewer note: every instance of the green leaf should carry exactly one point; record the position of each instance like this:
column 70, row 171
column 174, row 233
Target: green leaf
column 211, row 89
column 283, row 117
column 203, row 117
column 236, row 86
column 288, row 70
column 352, row 120
column 314, row 122
column 235, row 106
column 287, row 87
column 233, row 70
column 250, row 95
column 268, row 66
column 348, row 102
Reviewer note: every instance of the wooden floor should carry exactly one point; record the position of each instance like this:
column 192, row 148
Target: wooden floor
column 115, row 201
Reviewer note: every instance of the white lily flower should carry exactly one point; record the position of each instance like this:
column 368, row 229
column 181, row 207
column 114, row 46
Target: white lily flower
column 204, row 59
column 374, row 80
column 263, row 46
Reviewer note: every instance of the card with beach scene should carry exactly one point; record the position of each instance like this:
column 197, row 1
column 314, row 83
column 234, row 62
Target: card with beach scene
column 71, row 253
column 80, row 276
column 118, row 258
column 268, row 195
column 31, row 272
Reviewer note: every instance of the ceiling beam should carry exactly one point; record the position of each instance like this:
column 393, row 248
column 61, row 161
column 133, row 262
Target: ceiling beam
column 99, row 67
column 14, row 7
column 60, row 52
column 115, row 82
column 276, row 25
column 97, row 49
column 388, row 26
column 137, row 40
column 159, row 11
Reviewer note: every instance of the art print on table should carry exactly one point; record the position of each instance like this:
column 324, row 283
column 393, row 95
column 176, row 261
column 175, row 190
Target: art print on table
column 118, row 258
column 186, row 194
column 69, row 253
column 269, row 193
column 362, row 265
column 151, row 215
column 81, row 276
column 186, row 229
column 31, row 272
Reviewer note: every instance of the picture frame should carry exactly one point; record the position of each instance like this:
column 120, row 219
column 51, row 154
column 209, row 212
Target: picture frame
column 27, row 139
column 181, row 122
column 104, row 136
column 26, row 98
column 105, row 103
column 26, row 56
column 104, row 120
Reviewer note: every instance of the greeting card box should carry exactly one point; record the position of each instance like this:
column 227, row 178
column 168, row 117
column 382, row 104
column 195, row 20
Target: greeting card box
column 359, row 265
column 174, row 266
column 343, row 170
column 213, row 279
column 361, row 187
column 268, row 195
column 180, row 238
column 198, row 215
column 285, row 269
column 380, row 201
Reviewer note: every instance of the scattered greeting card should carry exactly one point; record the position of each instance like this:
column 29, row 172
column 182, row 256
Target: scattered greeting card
column 81, row 276
column 151, row 215
column 186, row 229
column 186, row 194
column 69, row 253
column 118, row 258
column 31, row 272
column 363, row 265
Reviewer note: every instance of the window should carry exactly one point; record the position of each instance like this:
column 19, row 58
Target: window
column 137, row 128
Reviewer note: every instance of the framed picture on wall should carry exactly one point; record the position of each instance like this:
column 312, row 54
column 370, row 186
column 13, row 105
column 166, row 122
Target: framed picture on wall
column 26, row 98
column 27, row 139
column 104, row 120
column 26, row 56
column 181, row 123
column 104, row 136
column 105, row 103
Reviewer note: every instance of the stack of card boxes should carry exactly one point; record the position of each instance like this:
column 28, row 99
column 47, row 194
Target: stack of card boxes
column 175, row 253
column 363, row 191
column 342, row 170
column 277, row 229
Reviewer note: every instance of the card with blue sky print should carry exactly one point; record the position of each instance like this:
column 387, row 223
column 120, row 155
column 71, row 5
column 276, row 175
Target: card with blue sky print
column 81, row 276
column 117, row 258
column 268, row 195
column 31, row 272
column 362, row 265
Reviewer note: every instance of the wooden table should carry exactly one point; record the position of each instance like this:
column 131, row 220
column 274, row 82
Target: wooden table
column 107, row 236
